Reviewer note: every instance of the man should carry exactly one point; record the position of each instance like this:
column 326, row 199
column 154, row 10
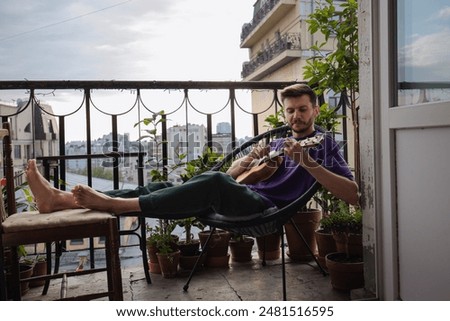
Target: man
column 298, row 169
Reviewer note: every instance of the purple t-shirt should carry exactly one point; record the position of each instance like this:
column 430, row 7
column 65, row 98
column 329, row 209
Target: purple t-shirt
column 290, row 180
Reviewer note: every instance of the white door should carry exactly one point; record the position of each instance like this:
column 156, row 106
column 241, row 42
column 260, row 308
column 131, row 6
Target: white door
column 415, row 131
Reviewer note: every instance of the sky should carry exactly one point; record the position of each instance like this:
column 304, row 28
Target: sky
column 127, row 40
column 121, row 40
column 424, row 34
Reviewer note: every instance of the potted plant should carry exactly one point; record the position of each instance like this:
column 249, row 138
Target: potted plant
column 39, row 269
column 346, row 267
column 168, row 255
column 306, row 221
column 26, row 266
column 241, row 247
column 324, row 237
column 156, row 233
column 269, row 247
column 217, row 251
column 346, row 227
column 190, row 246
column 162, row 248
column 151, row 251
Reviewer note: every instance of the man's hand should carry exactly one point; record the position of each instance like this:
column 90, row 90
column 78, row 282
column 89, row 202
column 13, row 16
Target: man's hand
column 298, row 153
column 259, row 152
column 240, row 165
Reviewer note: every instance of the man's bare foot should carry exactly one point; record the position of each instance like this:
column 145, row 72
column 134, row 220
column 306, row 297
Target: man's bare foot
column 87, row 197
column 48, row 199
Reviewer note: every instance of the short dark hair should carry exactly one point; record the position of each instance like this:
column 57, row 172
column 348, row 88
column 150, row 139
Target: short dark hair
column 298, row 90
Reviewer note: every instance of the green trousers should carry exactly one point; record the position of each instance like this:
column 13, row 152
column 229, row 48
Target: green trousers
column 210, row 190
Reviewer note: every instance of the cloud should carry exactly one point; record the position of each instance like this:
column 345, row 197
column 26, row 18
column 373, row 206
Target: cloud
column 428, row 55
column 444, row 13
column 134, row 39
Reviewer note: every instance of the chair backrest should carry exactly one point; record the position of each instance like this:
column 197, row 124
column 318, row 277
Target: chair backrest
column 8, row 207
column 269, row 221
column 8, row 170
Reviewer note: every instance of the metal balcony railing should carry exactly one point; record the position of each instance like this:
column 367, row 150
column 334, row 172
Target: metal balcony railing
column 288, row 41
column 226, row 107
column 144, row 98
column 258, row 16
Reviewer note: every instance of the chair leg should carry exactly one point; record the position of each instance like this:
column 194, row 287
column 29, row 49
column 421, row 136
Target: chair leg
column 325, row 273
column 264, row 252
column 143, row 246
column 92, row 252
column 283, row 266
column 2, row 275
column 15, row 276
column 113, row 264
column 199, row 259
column 48, row 249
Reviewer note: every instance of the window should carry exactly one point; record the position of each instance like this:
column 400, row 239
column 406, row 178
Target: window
column 28, row 151
column 77, row 242
column 17, row 152
column 423, row 62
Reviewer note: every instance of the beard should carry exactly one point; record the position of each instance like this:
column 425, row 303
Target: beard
column 302, row 128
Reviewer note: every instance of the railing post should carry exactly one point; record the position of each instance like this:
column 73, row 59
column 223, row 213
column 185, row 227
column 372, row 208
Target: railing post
column 87, row 98
column 233, row 118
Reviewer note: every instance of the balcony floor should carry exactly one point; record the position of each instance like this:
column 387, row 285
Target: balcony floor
column 248, row 281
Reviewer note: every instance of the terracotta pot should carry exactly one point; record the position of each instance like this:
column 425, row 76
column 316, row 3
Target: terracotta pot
column 217, row 261
column 154, row 267
column 40, row 268
column 307, row 222
column 355, row 247
column 26, row 271
column 325, row 245
column 271, row 245
column 189, row 249
column 345, row 274
column 218, row 244
column 169, row 263
column 151, row 252
column 188, row 262
column 241, row 250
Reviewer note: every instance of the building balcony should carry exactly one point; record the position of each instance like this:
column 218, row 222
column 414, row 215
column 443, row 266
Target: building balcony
column 263, row 20
column 284, row 50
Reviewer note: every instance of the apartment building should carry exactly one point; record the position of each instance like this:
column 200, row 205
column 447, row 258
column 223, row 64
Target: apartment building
column 33, row 130
column 278, row 43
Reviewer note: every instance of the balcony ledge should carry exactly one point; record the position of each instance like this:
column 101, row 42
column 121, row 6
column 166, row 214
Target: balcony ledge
column 275, row 15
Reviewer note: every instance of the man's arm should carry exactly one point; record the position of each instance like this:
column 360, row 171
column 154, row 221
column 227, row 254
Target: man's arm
column 341, row 187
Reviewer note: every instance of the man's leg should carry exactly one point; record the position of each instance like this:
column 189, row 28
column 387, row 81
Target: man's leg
column 114, row 201
column 141, row 190
column 210, row 190
column 49, row 199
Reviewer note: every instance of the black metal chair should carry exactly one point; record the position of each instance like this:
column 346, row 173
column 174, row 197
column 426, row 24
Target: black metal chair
column 258, row 224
